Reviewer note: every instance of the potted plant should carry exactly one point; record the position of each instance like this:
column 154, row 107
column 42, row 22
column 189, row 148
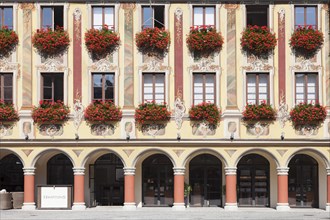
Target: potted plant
column 207, row 113
column 8, row 114
column 102, row 112
column 187, row 191
column 263, row 113
column 306, row 41
column 50, row 43
column 50, row 112
column 310, row 116
column 153, row 41
column 204, row 40
column 8, row 41
column 258, row 41
column 101, row 42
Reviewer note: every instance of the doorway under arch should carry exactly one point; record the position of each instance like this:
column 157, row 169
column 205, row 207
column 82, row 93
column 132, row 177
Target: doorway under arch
column 59, row 170
column 11, row 174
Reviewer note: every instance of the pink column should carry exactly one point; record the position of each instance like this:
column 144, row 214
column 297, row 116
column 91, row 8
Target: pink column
column 231, row 197
column 79, row 188
column 178, row 188
column 282, row 189
column 327, row 206
column 129, row 181
column 29, row 203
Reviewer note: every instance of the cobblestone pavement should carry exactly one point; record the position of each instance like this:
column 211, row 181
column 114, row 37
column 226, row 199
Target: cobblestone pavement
column 165, row 213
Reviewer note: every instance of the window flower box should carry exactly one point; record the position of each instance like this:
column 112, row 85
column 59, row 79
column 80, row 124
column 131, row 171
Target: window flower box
column 101, row 43
column 52, row 113
column 258, row 41
column 207, row 113
column 306, row 41
column 8, row 41
column 51, row 43
column 262, row 114
column 203, row 41
column 8, row 118
column 153, row 41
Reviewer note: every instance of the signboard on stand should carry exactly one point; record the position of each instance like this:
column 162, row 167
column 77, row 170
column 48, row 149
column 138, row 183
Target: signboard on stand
column 54, row 197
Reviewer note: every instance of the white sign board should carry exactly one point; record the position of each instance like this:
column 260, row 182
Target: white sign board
column 54, row 197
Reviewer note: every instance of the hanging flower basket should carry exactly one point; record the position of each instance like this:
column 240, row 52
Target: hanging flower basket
column 258, row 41
column 208, row 113
column 50, row 113
column 8, row 114
column 50, row 43
column 263, row 113
column 8, row 41
column 153, row 41
column 204, row 40
column 306, row 41
column 152, row 113
column 102, row 112
column 102, row 42
column 308, row 115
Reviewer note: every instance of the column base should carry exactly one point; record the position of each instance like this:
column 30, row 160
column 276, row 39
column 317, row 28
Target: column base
column 327, row 207
column 29, row 206
column 129, row 206
column 231, row 207
column 178, row 207
column 78, row 206
column 282, row 207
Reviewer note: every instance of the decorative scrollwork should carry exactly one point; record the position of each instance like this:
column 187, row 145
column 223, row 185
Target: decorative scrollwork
column 283, row 114
column 102, row 129
column 179, row 110
column 5, row 130
column 153, row 129
column 78, row 114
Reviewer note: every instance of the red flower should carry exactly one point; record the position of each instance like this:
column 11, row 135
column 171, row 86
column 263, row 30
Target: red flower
column 8, row 41
column 50, row 112
column 102, row 112
column 255, row 113
column 8, row 113
column 152, row 112
column 308, row 115
column 206, row 112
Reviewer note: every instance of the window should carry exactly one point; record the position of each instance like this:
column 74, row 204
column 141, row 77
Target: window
column 103, row 86
column 154, row 87
column 6, row 17
column 103, row 16
column 204, row 16
column 153, row 16
column 204, row 88
column 305, row 16
column 6, row 87
column 306, row 87
column 52, row 17
column 257, row 15
column 257, row 88
column 52, row 86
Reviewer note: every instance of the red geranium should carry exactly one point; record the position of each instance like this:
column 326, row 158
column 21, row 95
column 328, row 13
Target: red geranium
column 50, row 42
column 204, row 40
column 254, row 113
column 306, row 41
column 8, row 41
column 205, row 112
column 8, row 113
column 153, row 41
column 102, row 42
column 102, row 112
column 308, row 115
column 49, row 112
column 151, row 112
column 258, row 41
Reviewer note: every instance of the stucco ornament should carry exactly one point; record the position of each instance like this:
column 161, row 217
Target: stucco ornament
column 283, row 114
column 6, row 65
column 179, row 110
column 5, row 130
column 52, row 65
column 78, row 114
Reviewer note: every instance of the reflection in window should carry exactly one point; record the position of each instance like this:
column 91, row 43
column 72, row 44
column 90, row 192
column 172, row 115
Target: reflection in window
column 204, row 16
column 52, row 17
column 154, row 87
column 103, row 16
column 6, row 87
column 204, row 88
column 103, row 86
column 153, row 16
column 6, row 17
column 305, row 16
column 257, row 88
column 306, row 88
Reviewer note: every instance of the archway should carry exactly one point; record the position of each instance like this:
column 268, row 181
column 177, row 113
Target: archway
column 106, row 178
column 59, row 170
column 157, row 181
column 253, row 181
column 303, row 181
column 11, row 174
column 205, row 180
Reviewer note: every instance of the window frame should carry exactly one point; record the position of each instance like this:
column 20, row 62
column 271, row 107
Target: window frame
column 2, row 18
column 103, row 15
column 203, row 6
column 268, row 15
column 52, row 7
column 204, row 78
column 2, row 86
column 153, row 85
column 53, row 75
column 103, row 85
column 257, row 101
column 305, row 8
column 153, row 15
column 317, row 86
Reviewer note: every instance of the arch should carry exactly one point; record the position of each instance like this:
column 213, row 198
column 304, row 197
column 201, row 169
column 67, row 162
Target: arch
column 141, row 156
column 312, row 152
column 101, row 151
column 10, row 151
column 262, row 152
column 48, row 151
column 198, row 152
column 59, row 170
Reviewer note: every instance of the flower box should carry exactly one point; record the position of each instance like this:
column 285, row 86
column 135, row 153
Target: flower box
column 204, row 41
column 50, row 43
column 101, row 42
column 8, row 41
column 102, row 112
column 258, row 41
column 153, row 41
column 306, row 115
column 263, row 114
column 151, row 113
column 50, row 113
column 306, row 41
column 207, row 113
column 8, row 114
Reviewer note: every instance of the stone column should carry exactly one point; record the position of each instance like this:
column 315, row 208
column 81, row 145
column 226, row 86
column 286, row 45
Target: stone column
column 29, row 203
column 327, row 206
column 178, row 188
column 282, row 189
column 79, row 191
column 129, row 192
column 231, row 197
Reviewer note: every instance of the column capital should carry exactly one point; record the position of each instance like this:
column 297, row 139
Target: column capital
column 230, row 171
column 179, row 170
column 78, row 171
column 29, row 171
column 328, row 171
column 282, row 171
column 129, row 171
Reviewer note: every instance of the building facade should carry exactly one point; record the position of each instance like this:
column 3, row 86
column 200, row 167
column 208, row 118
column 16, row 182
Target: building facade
column 234, row 165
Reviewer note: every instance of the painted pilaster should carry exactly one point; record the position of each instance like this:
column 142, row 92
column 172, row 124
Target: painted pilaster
column 327, row 205
column 77, row 57
column 281, row 55
column 178, row 53
column 178, row 188
column 29, row 203
column 129, row 198
column 231, row 197
column 326, row 44
column 79, row 187
column 282, row 189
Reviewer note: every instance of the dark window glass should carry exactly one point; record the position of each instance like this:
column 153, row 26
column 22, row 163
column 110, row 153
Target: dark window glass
column 257, row 15
column 153, row 17
column 52, row 17
column 52, row 86
column 103, row 86
column 6, row 87
column 6, row 17
column 305, row 16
